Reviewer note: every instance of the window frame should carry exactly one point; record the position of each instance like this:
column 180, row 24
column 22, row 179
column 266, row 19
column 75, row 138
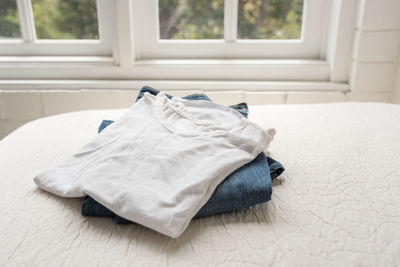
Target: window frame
column 331, row 70
column 29, row 45
column 149, row 46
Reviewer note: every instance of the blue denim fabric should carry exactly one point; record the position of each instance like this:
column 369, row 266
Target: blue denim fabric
column 275, row 168
column 246, row 187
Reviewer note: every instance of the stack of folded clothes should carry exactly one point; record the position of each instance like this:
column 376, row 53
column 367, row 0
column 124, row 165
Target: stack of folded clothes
column 168, row 160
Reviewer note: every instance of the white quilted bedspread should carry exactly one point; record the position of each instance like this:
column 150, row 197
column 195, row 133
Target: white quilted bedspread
column 337, row 204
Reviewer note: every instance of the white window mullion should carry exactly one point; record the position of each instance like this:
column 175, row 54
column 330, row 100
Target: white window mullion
column 145, row 26
column 26, row 20
column 124, row 52
column 107, row 20
column 230, row 20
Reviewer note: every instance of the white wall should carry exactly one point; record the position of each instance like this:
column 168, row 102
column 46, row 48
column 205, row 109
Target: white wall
column 396, row 89
column 376, row 50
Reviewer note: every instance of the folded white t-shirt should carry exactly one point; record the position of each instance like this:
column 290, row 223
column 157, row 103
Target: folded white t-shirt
column 161, row 161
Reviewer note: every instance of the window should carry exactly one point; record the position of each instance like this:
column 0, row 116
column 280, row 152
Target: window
column 193, row 40
column 55, row 27
column 190, row 19
column 257, row 19
column 250, row 29
column 267, row 19
column 72, row 19
column 9, row 20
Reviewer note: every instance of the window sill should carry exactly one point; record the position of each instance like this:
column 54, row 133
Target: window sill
column 231, row 62
column 86, row 67
column 54, row 62
column 234, row 69
column 269, row 86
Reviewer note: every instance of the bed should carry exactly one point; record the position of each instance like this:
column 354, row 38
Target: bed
column 337, row 204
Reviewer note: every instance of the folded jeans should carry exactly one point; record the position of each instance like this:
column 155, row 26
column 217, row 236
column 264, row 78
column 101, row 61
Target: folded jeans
column 245, row 187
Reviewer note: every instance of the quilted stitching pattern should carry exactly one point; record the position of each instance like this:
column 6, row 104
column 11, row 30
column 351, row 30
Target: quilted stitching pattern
column 337, row 204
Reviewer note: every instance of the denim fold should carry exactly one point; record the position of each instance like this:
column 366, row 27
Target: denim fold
column 247, row 186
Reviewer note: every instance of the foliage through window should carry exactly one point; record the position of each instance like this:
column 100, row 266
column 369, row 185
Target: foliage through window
column 191, row 19
column 257, row 19
column 54, row 19
column 9, row 20
column 71, row 19
column 270, row 19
